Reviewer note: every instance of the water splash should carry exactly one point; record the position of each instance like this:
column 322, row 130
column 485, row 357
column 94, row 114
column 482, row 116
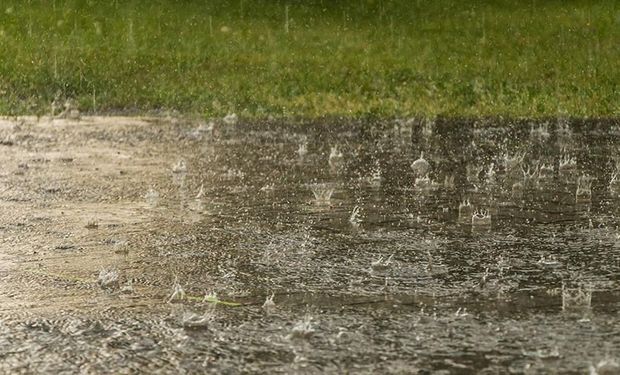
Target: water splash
column 490, row 174
column 269, row 306
column 302, row 149
column 191, row 320
column 420, row 166
column 121, row 247
column 206, row 129
column 541, row 132
column 152, row 198
column 423, row 183
column 584, row 189
column 92, row 224
column 127, row 288
column 568, row 165
column 198, row 204
column 427, row 129
column 448, row 182
column 481, row 219
column 530, row 176
column 70, row 110
column 355, row 219
column 544, row 354
column 180, row 167
column 233, row 174
column 461, row 312
column 512, row 163
column 550, row 261
column 178, row 293
column 201, row 192
column 546, row 172
column 607, row 366
column 576, row 298
column 614, row 183
column 268, row 188
column 472, row 173
column 516, row 191
column 322, row 193
column 336, row 158
column 210, row 297
column 376, row 177
column 108, row 278
column 564, row 130
column 231, row 119
column 303, row 329
column 381, row 265
column 466, row 211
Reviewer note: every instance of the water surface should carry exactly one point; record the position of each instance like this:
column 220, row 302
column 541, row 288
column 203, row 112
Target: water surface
column 173, row 210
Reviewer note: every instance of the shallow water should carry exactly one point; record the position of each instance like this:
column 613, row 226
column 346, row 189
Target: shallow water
column 405, row 285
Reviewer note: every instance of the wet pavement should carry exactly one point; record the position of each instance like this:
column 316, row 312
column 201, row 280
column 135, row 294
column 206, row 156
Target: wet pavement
column 394, row 246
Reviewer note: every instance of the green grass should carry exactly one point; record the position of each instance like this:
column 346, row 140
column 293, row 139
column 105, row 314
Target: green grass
column 386, row 58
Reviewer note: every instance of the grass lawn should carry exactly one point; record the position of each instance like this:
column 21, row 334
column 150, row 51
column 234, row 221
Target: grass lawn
column 313, row 58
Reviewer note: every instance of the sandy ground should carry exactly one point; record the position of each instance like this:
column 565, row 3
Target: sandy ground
column 70, row 195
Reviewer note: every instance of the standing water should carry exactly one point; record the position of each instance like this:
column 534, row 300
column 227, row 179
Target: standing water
column 243, row 251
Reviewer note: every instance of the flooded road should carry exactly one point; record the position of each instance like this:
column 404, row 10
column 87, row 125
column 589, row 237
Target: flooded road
column 174, row 246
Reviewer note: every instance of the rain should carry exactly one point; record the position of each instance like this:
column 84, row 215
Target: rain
column 308, row 187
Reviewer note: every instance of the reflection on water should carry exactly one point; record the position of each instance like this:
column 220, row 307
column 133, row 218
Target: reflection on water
column 446, row 245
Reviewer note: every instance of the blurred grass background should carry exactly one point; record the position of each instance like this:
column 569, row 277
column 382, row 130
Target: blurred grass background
column 313, row 58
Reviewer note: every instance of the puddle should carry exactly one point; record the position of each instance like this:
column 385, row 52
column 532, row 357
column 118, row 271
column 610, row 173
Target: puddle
column 394, row 247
